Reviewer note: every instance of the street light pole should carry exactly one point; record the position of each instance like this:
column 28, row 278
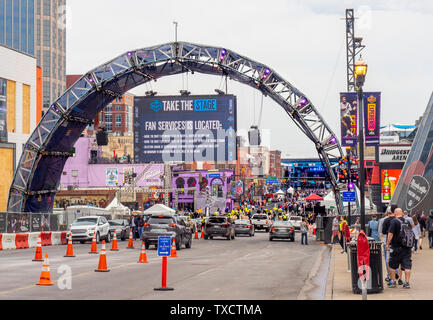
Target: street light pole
column 361, row 156
column 360, row 72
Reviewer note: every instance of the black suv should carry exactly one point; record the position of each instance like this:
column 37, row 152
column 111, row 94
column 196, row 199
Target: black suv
column 219, row 226
column 162, row 225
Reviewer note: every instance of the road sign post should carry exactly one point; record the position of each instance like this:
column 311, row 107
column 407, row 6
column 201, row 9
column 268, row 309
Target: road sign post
column 164, row 247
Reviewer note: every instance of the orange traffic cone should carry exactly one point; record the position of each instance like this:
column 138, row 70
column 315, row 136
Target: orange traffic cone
column 196, row 234
column 94, row 247
column 38, row 254
column 114, row 243
column 102, row 266
column 143, row 256
column 173, row 249
column 70, row 249
column 45, row 279
column 202, row 233
column 130, row 241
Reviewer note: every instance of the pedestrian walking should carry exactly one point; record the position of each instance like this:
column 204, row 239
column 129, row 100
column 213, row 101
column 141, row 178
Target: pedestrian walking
column 400, row 239
column 429, row 228
column 374, row 228
column 417, row 231
column 383, row 229
column 335, row 229
column 304, row 232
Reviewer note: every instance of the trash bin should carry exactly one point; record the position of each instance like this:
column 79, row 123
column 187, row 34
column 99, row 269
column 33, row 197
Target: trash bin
column 375, row 284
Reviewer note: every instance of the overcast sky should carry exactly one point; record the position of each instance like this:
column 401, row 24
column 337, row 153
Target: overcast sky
column 303, row 40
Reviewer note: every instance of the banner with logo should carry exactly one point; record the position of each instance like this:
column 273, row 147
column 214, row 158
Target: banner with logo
column 393, row 154
column 389, row 178
column 372, row 118
column 111, row 176
column 349, row 118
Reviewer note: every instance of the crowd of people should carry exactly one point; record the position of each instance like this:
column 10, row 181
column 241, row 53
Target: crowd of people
column 401, row 235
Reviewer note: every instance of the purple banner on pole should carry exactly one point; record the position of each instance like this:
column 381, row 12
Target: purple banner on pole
column 348, row 118
column 372, row 118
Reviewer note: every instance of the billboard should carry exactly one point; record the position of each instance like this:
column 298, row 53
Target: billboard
column 185, row 128
column 414, row 192
column 393, row 154
column 372, row 118
column 349, row 118
column 389, row 178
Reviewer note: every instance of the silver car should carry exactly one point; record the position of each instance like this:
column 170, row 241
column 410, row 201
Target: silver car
column 83, row 228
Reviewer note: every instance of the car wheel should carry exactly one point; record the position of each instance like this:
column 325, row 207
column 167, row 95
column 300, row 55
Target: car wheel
column 146, row 245
column 108, row 237
column 179, row 244
column 293, row 239
column 97, row 237
column 229, row 237
column 211, row 237
column 270, row 239
column 206, row 237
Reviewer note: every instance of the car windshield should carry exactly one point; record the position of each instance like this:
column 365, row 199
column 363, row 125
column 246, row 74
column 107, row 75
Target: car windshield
column 260, row 216
column 85, row 222
column 115, row 222
column 160, row 220
column 241, row 222
column 282, row 224
column 217, row 220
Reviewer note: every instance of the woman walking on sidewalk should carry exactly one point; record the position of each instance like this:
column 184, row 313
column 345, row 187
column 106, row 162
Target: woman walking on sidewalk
column 417, row 231
column 304, row 231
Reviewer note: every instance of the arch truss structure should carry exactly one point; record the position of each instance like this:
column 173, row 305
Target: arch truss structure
column 37, row 178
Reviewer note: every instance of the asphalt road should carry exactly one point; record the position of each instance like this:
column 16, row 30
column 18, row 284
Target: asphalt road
column 244, row 268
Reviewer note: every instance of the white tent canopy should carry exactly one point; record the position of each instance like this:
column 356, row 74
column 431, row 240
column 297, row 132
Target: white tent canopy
column 329, row 200
column 290, row 190
column 280, row 192
column 116, row 207
column 159, row 209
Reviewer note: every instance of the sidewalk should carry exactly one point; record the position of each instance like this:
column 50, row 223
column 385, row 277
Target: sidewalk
column 339, row 283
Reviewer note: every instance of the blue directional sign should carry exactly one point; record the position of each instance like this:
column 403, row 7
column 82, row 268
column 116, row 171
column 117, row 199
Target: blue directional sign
column 349, row 196
column 164, row 246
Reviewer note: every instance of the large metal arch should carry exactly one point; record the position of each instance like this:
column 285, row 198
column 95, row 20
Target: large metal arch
column 37, row 177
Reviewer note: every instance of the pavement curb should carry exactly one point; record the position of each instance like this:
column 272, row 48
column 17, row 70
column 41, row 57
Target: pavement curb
column 315, row 285
column 329, row 292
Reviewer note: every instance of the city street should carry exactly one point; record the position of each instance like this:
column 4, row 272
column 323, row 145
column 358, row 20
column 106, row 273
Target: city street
column 245, row 268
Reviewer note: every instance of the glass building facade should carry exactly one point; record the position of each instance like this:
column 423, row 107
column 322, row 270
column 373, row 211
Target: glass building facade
column 17, row 25
column 50, row 47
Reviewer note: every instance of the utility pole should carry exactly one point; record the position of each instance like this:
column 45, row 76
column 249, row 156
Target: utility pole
column 175, row 30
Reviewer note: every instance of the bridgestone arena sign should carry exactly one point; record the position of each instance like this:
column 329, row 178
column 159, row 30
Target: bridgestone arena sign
column 185, row 128
column 393, row 154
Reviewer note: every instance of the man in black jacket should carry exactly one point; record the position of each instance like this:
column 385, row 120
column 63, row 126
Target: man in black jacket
column 429, row 228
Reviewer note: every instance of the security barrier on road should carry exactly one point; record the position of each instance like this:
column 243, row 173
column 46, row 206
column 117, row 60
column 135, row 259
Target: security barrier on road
column 21, row 241
column 8, row 241
column 33, row 239
column 63, row 237
column 56, row 238
column 46, row 239
column 30, row 240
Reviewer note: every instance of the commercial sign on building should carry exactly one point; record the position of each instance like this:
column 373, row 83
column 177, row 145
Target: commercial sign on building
column 394, row 154
column 185, row 128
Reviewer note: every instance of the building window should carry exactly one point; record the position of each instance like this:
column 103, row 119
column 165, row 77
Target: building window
column 109, row 108
column 118, row 120
column 47, row 11
column 118, row 108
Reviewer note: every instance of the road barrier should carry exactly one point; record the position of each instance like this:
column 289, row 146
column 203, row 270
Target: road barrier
column 22, row 241
column 30, row 240
column 33, row 239
column 8, row 241
column 46, row 239
column 56, row 238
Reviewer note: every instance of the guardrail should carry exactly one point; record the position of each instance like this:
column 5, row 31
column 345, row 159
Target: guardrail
column 10, row 241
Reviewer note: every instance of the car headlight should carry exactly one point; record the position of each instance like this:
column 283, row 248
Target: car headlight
column 91, row 229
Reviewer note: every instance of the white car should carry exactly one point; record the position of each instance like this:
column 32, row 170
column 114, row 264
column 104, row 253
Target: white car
column 83, row 228
column 296, row 222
